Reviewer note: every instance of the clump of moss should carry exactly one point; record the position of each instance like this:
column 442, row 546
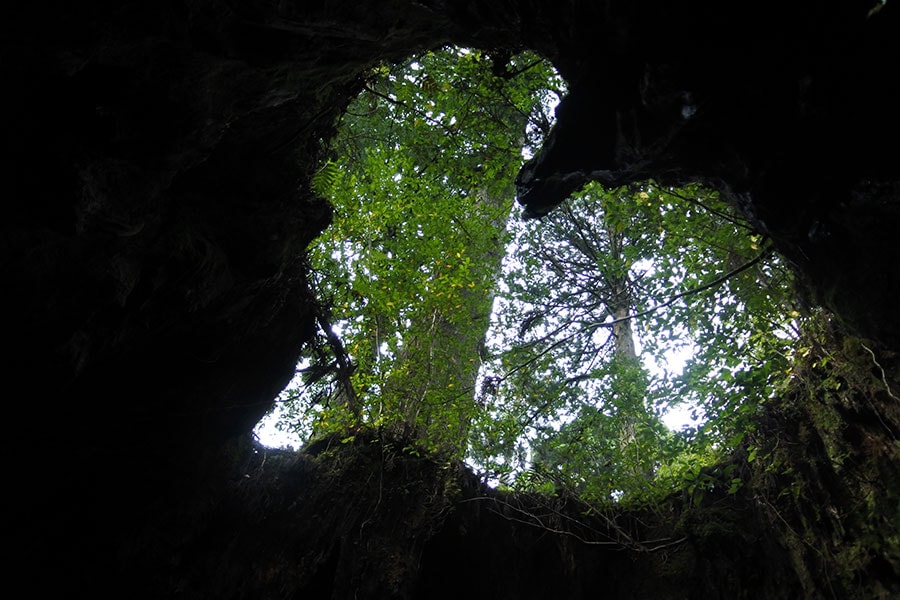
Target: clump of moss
column 829, row 468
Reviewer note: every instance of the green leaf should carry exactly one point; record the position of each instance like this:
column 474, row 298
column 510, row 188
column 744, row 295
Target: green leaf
column 325, row 179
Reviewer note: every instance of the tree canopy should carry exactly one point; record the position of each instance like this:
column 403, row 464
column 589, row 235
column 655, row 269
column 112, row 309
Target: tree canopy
column 595, row 301
column 537, row 350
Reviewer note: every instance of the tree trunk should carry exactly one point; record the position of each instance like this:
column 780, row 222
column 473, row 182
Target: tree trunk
column 433, row 381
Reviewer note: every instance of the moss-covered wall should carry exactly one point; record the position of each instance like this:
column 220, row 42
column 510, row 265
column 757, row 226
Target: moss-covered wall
column 828, row 472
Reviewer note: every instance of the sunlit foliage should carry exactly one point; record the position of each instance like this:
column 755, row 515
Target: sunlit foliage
column 690, row 279
column 539, row 351
column 421, row 181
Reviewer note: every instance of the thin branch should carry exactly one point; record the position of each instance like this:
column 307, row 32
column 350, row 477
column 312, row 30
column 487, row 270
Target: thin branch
column 624, row 540
column 886, row 387
column 450, row 130
column 718, row 213
column 718, row 281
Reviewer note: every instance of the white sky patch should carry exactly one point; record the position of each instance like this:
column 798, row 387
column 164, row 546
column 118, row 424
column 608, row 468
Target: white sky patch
column 267, row 432
column 269, row 435
column 684, row 415
column 676, row 416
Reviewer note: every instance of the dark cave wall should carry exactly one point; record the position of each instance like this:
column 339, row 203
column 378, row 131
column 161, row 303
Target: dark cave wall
column 158, row 208
column 777, row 107
column 370, row 519
column 829, row 478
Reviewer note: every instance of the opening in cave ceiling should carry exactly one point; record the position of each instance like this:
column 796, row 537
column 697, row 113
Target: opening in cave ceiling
column 616, row 345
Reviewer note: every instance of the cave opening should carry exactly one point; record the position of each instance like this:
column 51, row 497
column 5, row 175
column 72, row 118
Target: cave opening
column 586, row 333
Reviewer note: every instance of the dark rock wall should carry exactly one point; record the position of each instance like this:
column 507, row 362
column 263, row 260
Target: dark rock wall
column 157, row 209
column 779, row 107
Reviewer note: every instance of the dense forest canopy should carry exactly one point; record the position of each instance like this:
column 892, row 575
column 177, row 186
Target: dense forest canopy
column 536, row 349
